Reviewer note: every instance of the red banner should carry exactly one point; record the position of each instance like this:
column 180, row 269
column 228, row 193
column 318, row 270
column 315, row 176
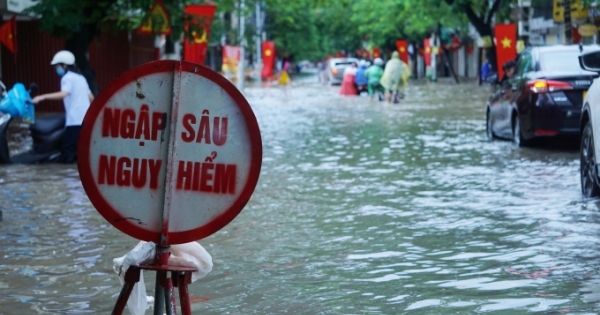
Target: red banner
column 231, row 58
column 268, row 56
column 426, row 52
column 197, row 20
column 402, row 47
column 506, row 44
column 8, row 34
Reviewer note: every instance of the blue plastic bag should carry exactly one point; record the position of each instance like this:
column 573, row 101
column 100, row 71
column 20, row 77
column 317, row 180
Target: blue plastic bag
column 17, row 103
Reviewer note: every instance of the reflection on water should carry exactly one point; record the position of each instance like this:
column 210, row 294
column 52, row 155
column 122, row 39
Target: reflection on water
column 361, row 208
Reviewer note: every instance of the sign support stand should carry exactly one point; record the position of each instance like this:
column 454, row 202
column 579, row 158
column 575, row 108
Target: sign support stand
column 180, row 277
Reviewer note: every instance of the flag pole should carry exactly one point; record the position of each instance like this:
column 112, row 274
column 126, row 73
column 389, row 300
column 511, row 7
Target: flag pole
column 241, row 65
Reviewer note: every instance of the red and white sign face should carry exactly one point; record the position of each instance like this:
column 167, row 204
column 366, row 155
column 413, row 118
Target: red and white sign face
column 171, row 143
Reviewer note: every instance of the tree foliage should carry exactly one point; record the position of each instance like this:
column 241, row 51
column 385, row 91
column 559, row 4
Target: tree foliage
column 301, row 29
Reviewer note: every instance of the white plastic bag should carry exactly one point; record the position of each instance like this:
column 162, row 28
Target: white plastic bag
column 189, row 254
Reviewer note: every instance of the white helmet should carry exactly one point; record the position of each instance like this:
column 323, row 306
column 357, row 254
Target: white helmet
column 378, row 61
column 63, row 56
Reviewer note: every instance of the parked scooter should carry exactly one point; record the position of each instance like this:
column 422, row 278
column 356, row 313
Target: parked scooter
column 45, row 132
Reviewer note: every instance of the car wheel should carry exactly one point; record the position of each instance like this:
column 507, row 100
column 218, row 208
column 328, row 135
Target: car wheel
column 588, row 171
column 517, row 134
column 488, row 127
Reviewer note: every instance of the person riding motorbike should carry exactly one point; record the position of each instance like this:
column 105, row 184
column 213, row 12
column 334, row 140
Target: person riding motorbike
column 76, row 96
column 360, row 80
column 395, row 77
column 374, row 74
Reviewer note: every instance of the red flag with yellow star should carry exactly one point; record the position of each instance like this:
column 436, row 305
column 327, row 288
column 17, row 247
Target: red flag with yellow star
column 268, row 56
column 8, row 34
column 197, row 21
column 402, row 47
column 506, row 44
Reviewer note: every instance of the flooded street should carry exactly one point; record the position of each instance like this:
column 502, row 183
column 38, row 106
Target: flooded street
column 361, row 207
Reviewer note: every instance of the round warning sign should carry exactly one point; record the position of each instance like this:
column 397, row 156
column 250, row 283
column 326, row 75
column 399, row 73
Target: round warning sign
column 170, row 146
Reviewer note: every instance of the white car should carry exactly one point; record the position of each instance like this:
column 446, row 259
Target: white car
column 335, row 69
column 590, row 129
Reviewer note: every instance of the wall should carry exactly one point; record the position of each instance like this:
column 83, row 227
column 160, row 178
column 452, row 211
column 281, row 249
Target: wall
column 110, row 55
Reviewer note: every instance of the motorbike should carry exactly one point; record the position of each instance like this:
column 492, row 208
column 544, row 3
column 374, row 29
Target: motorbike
column 46, row 132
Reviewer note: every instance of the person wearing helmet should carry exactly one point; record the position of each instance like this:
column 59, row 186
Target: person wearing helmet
column 360, row 80
column 76, row 96
column 374, row 74
column 395, row 77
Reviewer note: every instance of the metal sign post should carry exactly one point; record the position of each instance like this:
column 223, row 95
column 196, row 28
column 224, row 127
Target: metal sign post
column 170, row 152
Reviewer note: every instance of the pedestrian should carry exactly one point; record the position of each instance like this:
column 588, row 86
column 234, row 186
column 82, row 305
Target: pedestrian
column 360, row 80
column 395, row 77
column 322, row 68
column 348, row 80
column 76, row 96
column 373, row 74
column 486, row 71
column 284, row 78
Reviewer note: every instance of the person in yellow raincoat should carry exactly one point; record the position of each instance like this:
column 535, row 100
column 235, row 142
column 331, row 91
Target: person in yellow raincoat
column 284, row 78
column 395, row 77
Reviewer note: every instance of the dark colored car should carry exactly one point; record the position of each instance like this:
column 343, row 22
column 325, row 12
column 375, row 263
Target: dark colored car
column 543, row 98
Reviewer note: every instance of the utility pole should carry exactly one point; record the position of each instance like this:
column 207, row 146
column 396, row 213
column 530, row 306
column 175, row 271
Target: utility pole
column 241, row 65
column 259, row 27
column 433, row 43
column 567, row 15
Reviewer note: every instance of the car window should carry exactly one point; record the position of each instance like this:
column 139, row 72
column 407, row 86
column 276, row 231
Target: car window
column 524, row 64
column 559, row 61
column 346, row 63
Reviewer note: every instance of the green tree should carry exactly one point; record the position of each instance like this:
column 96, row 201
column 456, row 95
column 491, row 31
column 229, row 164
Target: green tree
column 311, row 29
column 481, row 15
column 388, row 20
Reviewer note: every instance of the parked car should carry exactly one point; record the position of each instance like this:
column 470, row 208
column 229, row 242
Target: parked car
column 544, row 97
column 335, row 69
column 589, row 127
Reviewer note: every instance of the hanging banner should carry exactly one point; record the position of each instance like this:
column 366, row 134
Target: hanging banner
column 506, row 48
column 8, row 32
column 402, row 47
column 427, row 52
column 197, row 21
column 156, row 21
column 231, row 58
column 268, row 56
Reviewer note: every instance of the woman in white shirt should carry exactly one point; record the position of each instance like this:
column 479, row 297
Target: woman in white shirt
column 76, row 96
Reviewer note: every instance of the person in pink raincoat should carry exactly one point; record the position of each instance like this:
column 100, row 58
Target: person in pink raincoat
column 348, row 87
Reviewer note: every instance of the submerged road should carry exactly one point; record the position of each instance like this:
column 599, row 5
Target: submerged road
column 361, row 207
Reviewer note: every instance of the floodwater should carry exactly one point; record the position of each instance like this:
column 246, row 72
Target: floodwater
column 361, row 207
